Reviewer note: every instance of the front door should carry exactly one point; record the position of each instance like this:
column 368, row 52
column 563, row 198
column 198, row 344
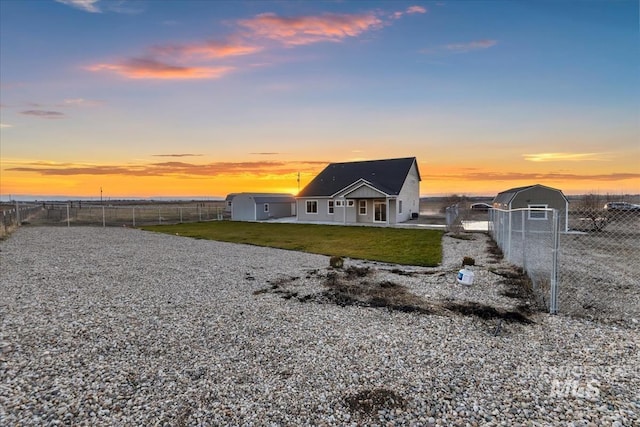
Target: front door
column 379, row 211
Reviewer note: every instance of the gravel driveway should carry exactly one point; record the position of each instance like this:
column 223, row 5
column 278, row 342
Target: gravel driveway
column 123, row 327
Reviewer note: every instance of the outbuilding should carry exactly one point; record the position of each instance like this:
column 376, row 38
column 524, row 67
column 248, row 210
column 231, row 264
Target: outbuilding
column 536, row 198
column 262, row 206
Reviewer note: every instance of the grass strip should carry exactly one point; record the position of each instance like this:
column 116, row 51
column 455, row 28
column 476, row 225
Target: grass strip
column 393, row 245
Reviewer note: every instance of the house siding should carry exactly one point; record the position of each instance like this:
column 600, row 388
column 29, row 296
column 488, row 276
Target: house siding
column 250, row 207
column 243, row 208
column 410, row 195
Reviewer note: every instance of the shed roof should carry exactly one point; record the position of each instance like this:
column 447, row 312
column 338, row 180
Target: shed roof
column 270, row 197
column 507, row 196
column 386, row 175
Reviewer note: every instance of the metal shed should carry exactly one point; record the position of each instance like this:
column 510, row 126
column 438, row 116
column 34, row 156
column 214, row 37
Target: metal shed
column 535, row 196
column 262, row 206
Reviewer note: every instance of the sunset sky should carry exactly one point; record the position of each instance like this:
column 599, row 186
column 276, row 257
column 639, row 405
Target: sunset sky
column 203, row 98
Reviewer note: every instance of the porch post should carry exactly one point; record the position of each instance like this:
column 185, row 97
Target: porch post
column 387, row 208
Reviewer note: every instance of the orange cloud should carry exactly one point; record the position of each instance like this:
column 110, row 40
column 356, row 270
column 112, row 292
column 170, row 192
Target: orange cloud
column 564, row 157
column 303, row 30
column 168, row 168
column 139, row 68
column 208, row 50
column 519, row 176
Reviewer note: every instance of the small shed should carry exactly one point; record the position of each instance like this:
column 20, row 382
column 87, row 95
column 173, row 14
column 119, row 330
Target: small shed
column 535, row 196
column 262, row 206
column 228, row 202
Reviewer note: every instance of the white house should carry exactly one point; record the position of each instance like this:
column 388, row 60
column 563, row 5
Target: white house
column 370, row 192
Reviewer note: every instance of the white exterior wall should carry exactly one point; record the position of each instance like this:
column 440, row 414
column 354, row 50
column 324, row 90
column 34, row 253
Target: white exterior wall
column 410, row 196
column 243, row 208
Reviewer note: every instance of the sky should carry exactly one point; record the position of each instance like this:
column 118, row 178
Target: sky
column 125, row 98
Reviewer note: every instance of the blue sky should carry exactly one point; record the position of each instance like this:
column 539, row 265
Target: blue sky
column 209, row 97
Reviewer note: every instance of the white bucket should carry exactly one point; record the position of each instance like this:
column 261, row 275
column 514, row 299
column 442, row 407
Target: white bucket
column 465, row 276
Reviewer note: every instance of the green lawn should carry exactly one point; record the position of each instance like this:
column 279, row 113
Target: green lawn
column 393, row 245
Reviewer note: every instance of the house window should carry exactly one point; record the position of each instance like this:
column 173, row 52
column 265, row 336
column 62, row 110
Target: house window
column 535, row 213
column 351, row 203
column 339, row 203
column 330, row 210
column 229, row 204
column 312, row 206
column 399, row 206
column 362, row 207
column 266, row 207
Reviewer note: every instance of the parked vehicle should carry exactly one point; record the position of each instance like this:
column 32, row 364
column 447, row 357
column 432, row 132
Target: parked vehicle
column 621, row 207
column 481, row 207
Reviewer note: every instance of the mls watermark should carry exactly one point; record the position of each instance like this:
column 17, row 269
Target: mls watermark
column 583, row 382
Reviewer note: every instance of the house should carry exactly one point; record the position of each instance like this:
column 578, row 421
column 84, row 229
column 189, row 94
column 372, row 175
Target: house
column 535, row 196
column 262, row 206
column 366, row 192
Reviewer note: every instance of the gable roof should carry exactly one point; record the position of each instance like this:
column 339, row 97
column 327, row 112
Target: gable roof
column 507, row 196
column 387, row 176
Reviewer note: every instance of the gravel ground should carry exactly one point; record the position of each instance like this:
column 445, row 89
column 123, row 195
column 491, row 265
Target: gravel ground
column 124, row 327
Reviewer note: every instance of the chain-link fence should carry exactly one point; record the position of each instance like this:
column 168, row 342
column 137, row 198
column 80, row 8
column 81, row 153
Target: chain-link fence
column 588, row 268
column 15, row 213
column 599, row 257
column 529, row 238
column 79, row 213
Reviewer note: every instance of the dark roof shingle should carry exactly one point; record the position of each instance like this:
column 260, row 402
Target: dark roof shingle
column 385, row 175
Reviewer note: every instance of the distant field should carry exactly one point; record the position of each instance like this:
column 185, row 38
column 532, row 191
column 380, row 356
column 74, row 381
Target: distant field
column 392, row 245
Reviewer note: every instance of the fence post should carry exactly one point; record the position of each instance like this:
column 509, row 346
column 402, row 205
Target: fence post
column 199, row 213
column 509, row 230
column 524, row 241
column 103, row 218
column 159, row 216
column 180, row 209
column 17, row 214
column 68, row 220
column 553, row 303
column 134, row 215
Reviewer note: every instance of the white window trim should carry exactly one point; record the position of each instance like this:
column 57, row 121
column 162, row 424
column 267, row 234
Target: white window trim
column 351, row 203
column 339, row 203
column 362, row 204
column 306, row 206
column 536, row 215
column 331, row 207
column 379, row 202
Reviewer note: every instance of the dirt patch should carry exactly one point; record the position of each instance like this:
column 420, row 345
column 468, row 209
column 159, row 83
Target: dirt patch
column 349, row 288
column 369, row 402
column 486, row 312
column 494, row 250
column 516, row 284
